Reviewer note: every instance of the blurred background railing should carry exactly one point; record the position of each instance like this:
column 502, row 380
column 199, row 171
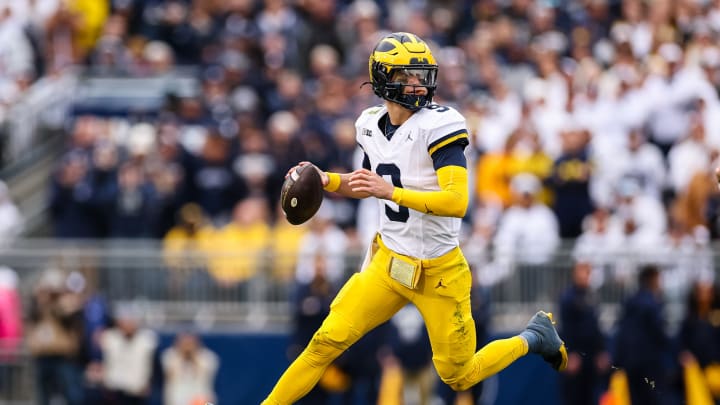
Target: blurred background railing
column 176, row 289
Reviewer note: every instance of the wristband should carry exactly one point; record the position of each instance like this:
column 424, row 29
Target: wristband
column 333, row 182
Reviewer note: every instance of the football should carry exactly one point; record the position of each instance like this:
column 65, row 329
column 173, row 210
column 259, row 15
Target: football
column 301, row 194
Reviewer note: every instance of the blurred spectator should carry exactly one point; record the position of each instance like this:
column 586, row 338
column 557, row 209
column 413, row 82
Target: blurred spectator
column 182, row 248
column 699, row 332
column 128, row 350
column 316, row 26
column 236, row 252
column 167, row 173
column 102, row 176
column 213, row 183
column 71, row 199
column 311, row 303
column 286, row 148
column 189, row 371
column 363, row 21
column 317, row 132
column 181, row 245
column 254, row 164
column 525, row 242
column 499, row 117
column 97, row 318
column 362, row 366
column 601, row 239
column 11, row 328
column 326, row 238
column 570, row 180
column 640, row 160
column 287, row 94
column 410, row 345
column 696, row 206
column 285, row 242
column 16, row 57
column 641, row 341
column 477, row 246
column 16, row 48
column 669, row 121
column 580, row 328
column 688, row 156
column 157, row 58
column 346, row 157
column 367, row 221
column 543, row 109
column 75, row 27
column 111, row 54
column 54, row 336
column 190, row 36
column 494, row 171
column 529, row 157
column 642, row 217
column 11, row 220
column 685, row 258
column 528, row 231
column 132, row 201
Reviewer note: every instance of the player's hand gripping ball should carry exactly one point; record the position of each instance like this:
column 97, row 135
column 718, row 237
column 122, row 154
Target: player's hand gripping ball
column 301, row 194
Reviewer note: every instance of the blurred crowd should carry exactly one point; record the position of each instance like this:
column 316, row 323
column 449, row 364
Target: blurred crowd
column 87, row 351
column 589, row 119
column 393, row 364
column 592, row 121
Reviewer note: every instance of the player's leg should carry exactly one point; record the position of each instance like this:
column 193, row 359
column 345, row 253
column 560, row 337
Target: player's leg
column 363, row 303
column 444, row 301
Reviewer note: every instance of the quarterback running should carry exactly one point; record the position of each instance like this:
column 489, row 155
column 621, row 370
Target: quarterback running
column 414, row 164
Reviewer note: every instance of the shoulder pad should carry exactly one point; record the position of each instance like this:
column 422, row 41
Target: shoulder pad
column 368, row 114
column 438, row 115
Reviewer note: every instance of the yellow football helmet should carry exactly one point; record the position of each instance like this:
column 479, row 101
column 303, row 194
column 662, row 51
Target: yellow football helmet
column 397, row 57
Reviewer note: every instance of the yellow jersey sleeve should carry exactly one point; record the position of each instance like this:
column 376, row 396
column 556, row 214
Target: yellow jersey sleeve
column 450, row 201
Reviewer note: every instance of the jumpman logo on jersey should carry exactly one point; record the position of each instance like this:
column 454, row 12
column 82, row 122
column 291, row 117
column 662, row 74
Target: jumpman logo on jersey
column 409, row 137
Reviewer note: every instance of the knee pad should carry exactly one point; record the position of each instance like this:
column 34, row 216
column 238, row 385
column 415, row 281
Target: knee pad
column 453, row 375
column 334, row 336
column 458, row 384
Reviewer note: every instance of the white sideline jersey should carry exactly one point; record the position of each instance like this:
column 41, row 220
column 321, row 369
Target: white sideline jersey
column 405, row 161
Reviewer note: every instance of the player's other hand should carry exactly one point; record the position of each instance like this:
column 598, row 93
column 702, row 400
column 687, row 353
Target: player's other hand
column 365, row 181
column 323, row 175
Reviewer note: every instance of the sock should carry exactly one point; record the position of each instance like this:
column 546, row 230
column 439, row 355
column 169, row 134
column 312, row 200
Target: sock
column 489, row 360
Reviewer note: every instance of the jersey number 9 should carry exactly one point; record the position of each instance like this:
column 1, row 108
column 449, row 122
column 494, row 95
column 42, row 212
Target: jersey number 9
column 390, row 169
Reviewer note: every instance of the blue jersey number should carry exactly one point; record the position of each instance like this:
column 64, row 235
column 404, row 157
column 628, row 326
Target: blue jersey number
column 438, row 107
column 389, row 169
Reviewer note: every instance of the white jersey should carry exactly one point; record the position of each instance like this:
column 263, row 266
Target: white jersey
column 405, row 161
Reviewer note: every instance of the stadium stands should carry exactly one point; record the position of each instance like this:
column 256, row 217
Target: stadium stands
column 144, row 142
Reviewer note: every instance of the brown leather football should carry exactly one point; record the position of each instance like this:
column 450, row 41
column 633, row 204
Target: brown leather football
column 301, row 194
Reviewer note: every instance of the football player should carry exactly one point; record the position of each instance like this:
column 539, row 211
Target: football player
column 414, row 164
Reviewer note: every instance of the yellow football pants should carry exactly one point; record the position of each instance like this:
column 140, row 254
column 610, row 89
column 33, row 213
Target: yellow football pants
column 371, row 297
